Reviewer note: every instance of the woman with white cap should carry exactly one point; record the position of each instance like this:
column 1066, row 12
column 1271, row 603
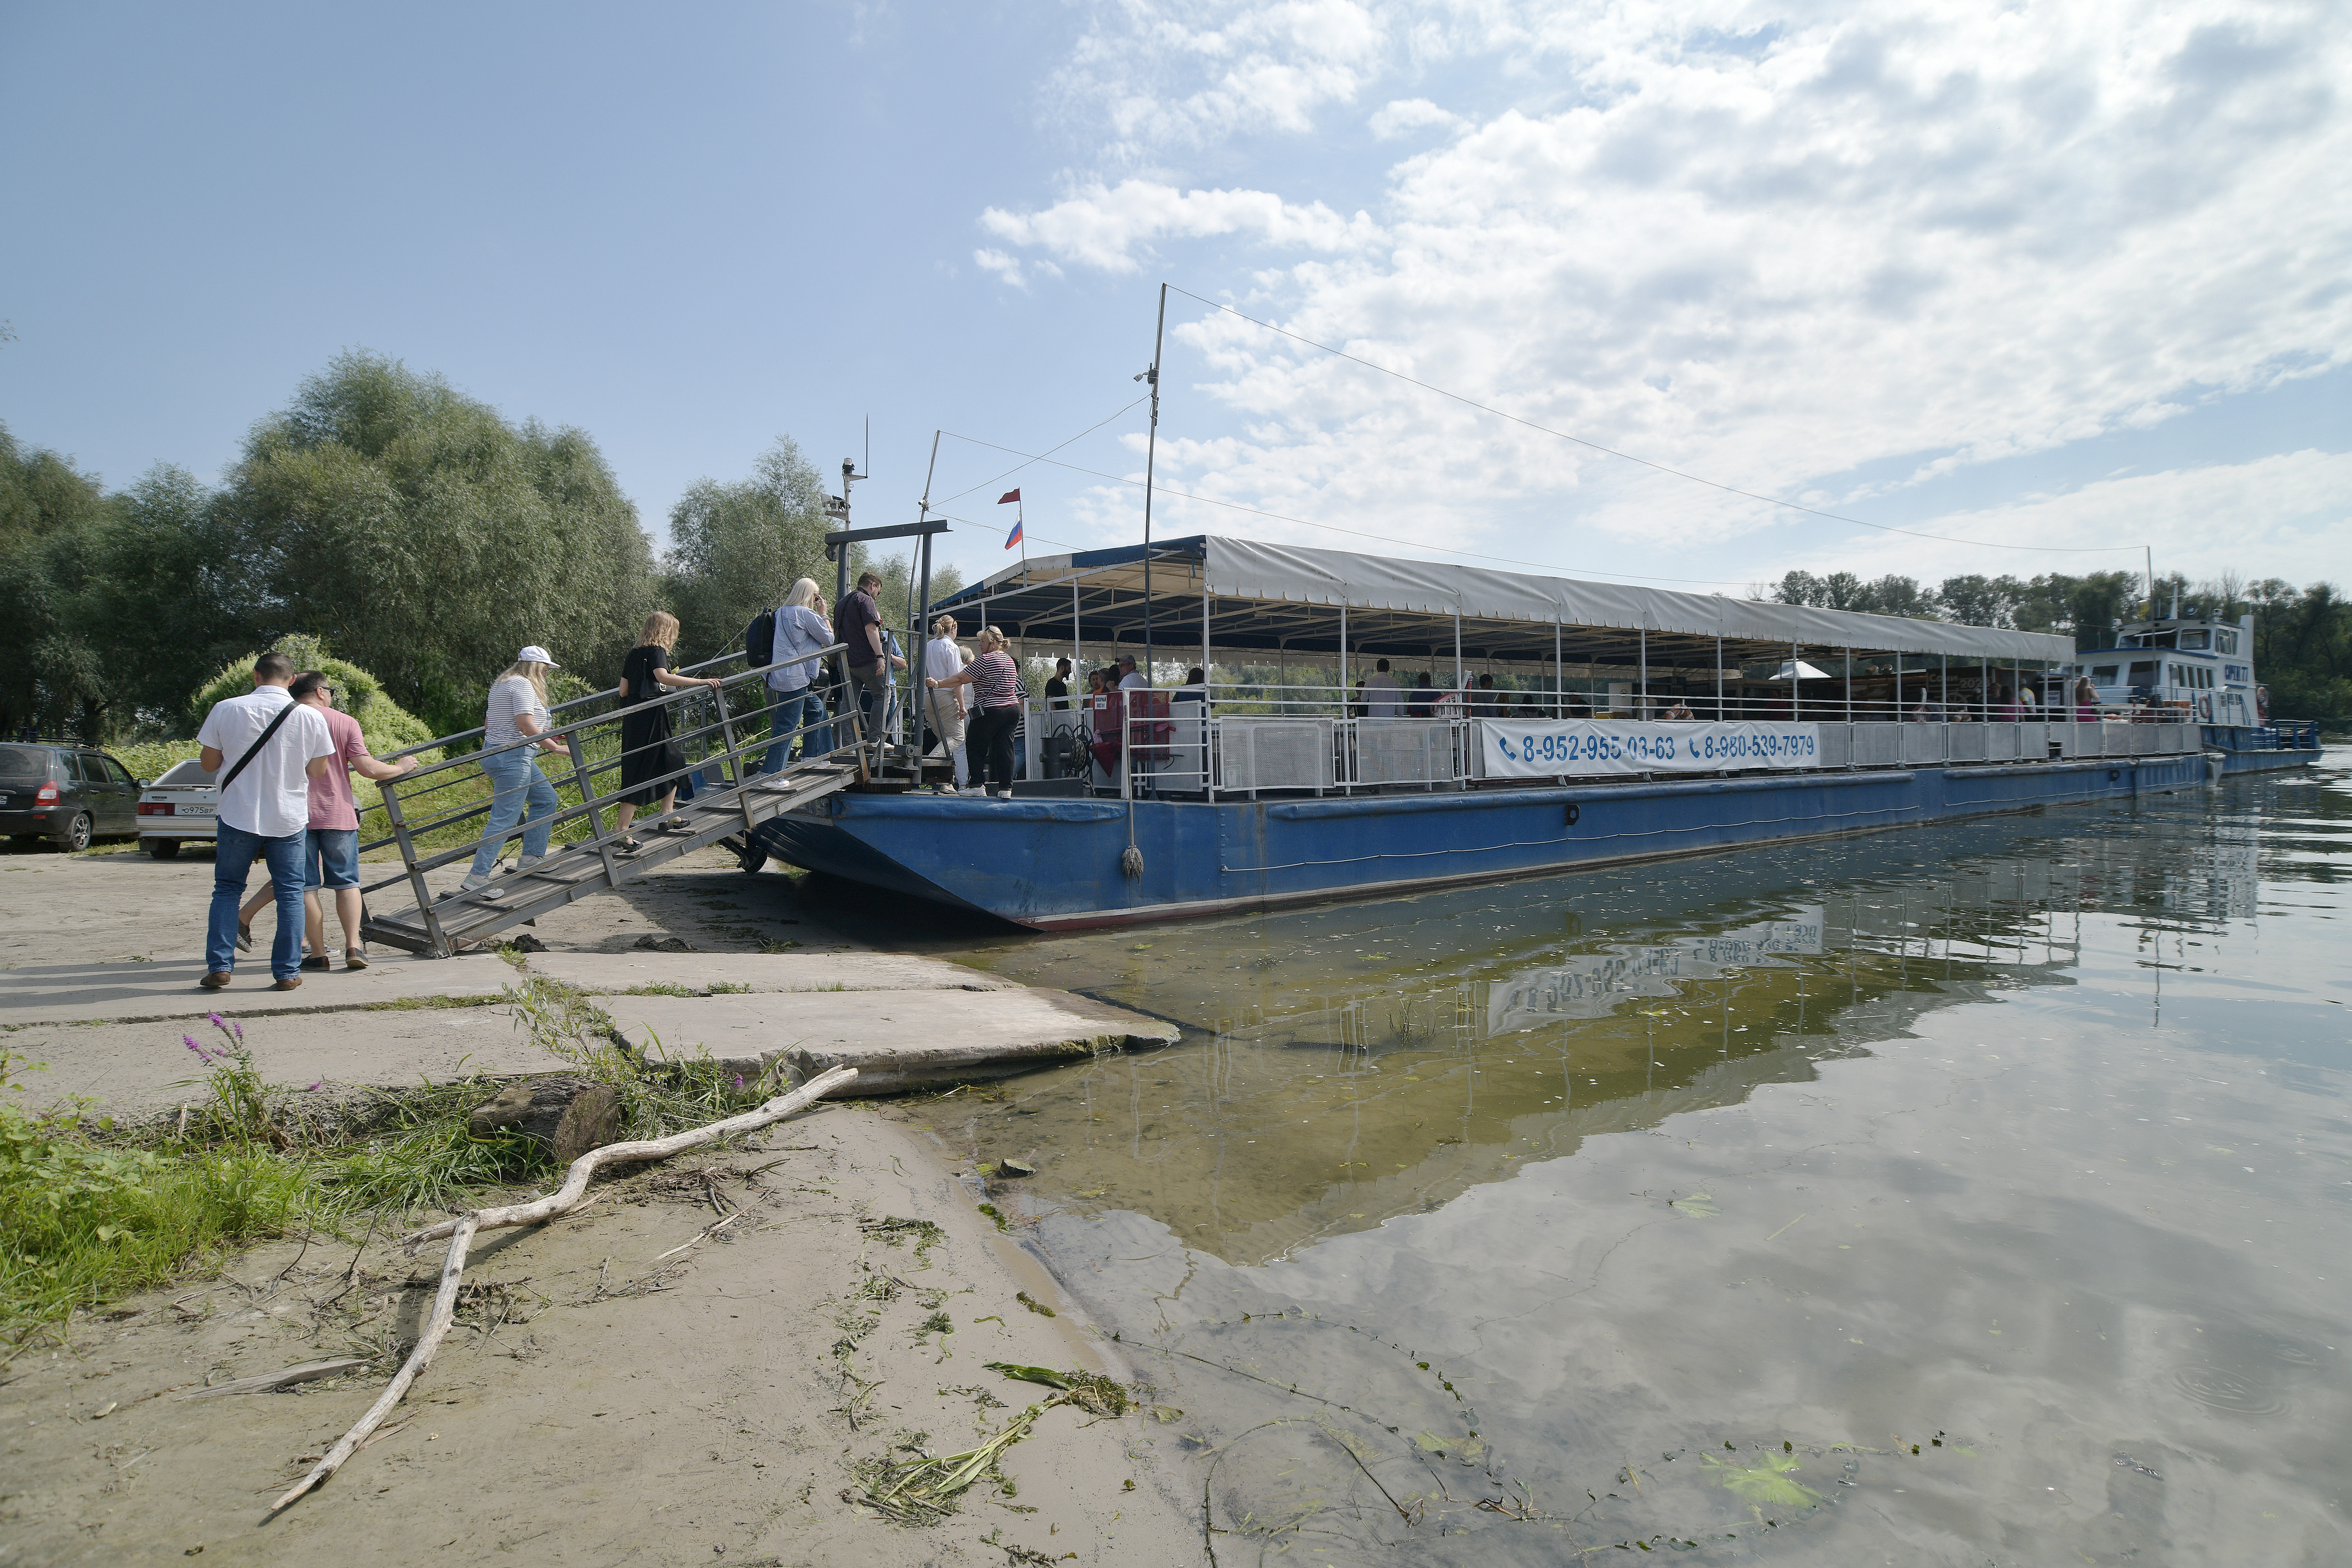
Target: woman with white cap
column 514, row 727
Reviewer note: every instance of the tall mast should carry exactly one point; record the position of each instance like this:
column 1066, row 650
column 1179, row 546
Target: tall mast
column 1150, row 456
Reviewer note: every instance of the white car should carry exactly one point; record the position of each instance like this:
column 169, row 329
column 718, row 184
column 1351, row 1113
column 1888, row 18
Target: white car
column 183, row 804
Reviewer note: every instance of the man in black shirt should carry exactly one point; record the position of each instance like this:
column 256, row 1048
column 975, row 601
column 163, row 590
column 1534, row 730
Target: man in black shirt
column 857, row 622
column 1058, row 690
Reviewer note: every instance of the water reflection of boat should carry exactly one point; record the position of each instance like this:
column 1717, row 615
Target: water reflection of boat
column 1384, row 1064
column 1591, row 984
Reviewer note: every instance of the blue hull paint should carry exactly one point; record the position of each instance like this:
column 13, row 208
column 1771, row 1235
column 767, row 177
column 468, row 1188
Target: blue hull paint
column 1054, row 863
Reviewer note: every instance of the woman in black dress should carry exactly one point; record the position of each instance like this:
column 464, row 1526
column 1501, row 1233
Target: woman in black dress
column 647, row 752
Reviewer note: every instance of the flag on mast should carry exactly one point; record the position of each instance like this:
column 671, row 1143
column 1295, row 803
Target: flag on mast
column 1013, row 499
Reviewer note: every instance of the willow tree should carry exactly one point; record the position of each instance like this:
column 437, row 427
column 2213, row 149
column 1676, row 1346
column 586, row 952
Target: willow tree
column 427, row 538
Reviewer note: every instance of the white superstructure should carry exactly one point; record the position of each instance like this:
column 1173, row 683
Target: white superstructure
column 2203, row 665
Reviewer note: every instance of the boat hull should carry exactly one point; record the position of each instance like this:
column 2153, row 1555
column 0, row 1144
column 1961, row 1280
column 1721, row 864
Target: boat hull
column 1053, row 865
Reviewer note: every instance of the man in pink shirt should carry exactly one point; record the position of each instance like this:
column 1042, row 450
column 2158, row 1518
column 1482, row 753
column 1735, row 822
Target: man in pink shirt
column 331, row 848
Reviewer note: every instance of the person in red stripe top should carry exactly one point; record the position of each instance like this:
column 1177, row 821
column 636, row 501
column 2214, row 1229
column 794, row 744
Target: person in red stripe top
column 996, row 680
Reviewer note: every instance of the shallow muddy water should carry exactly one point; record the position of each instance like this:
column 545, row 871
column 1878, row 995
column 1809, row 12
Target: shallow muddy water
column 1975, row 1195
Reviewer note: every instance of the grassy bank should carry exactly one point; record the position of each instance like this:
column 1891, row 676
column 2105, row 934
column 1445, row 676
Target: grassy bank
column 91, row 1212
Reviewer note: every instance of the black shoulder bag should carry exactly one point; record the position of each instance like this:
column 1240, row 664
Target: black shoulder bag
column 255, row 749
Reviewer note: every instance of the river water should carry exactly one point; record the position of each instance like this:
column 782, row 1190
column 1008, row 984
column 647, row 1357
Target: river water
column 1972, row 1195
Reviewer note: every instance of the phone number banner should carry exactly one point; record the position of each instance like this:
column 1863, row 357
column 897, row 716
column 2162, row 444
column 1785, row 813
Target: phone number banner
column 1552, row 747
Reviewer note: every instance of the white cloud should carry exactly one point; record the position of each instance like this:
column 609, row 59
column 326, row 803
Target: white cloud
column 1192, row 73
column 1006, row 268
column 1103, row 226
column 1406, row 115
column 1773, row 247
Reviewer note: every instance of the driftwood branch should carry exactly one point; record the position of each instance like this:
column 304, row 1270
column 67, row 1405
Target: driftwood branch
column 575, row 1180
column 445, row 1312
column 307, row 1372
column 462, row 1230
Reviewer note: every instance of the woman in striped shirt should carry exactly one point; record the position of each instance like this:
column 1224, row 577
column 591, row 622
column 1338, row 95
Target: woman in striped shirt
column 996, row 680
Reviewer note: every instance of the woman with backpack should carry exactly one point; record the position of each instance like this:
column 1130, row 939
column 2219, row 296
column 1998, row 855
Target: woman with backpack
column 796, row 702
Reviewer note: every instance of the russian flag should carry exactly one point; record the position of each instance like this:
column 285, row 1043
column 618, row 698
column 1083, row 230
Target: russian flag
column 1014, row 538
column 1011, row 497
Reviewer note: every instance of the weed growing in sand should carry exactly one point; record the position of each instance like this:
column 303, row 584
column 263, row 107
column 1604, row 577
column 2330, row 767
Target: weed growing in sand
column 81, row 1221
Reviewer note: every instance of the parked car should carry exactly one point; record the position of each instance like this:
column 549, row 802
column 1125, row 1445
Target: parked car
column 72, row 795
column 183, row 804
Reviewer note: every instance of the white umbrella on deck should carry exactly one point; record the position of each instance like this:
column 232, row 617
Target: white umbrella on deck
column 1799, row 671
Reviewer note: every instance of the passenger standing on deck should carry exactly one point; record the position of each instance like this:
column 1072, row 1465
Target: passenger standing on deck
column 1057, row 687
column 798, row 704
column 272, row 746
column 943, row 660
column 647, row 752
column 1383, row 698
column 2086, row 701
column 996, row 680
column 514, row 727
column 1128, row 679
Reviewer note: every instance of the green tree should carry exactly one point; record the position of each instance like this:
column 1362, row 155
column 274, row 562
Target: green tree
column 1978, row 601
column 387, row 727
column 51, row 517
column 419, row 532
column 736, row 549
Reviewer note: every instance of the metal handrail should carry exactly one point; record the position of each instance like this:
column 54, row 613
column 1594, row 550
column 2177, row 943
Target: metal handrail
column 729, row 760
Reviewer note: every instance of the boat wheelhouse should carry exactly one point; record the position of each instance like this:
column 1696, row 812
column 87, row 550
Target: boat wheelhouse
column 1323, row 724
column 2201, row 668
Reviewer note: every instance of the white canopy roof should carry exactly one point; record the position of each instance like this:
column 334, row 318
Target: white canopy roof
column 1244, row 569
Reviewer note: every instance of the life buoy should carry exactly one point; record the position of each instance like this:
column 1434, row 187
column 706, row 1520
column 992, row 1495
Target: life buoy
column 2262, row 704
column 2205, row 707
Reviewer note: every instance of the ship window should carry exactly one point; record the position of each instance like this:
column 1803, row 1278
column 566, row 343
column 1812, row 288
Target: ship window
column 2103, row 674
column 2192, row 639
column 2225, row 641
column 2143, row 671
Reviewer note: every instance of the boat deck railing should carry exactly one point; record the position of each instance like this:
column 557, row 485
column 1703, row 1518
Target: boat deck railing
column 1190, row 744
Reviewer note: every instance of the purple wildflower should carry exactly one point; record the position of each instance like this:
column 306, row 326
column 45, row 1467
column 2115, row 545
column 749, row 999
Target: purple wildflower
column 738, row 1084
column 190, row 1041
column 217, row 1022
column 313, row 1087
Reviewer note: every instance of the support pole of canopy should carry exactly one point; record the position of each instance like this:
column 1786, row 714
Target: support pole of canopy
column 1558, row 675
column 1718, row 680
column 1796, row 682
column 1457, row 650
column 1077, row 644
column 1984, row 689
column 1849, row 686
column 1343, row 653
column 1641, row 703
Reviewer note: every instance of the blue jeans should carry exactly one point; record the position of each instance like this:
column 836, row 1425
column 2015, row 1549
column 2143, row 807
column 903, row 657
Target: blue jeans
column 788, row 711
column 515, row 780
column 233, row 859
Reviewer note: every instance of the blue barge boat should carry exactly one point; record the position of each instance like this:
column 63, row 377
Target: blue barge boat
column 1330, row 725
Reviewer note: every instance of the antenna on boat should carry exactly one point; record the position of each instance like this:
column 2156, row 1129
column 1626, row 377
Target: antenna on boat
column 1150, row 455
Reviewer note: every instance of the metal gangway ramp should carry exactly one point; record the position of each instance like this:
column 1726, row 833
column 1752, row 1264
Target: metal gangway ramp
column 434, row 816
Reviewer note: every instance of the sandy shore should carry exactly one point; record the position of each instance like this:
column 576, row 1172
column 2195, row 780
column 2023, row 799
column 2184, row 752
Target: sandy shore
column 600, row 1402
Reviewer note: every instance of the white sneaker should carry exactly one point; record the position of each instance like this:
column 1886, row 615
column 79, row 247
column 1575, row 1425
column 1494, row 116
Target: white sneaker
column 490, row 892
column 524, row 863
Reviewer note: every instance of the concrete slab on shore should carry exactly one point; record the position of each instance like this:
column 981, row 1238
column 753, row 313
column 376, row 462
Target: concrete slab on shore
column 137, row 1071
column 896, row 1040
column 613, row 974
column 118, row 991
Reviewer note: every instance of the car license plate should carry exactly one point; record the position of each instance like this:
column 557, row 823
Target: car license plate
column 195, row 811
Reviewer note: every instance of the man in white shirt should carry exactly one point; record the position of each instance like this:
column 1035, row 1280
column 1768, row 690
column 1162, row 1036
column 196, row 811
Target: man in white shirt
column 1383, row 698
column 274, row 747
column 1129, row 680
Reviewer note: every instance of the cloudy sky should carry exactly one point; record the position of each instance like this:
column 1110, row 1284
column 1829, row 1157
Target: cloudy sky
column 2068, row 277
